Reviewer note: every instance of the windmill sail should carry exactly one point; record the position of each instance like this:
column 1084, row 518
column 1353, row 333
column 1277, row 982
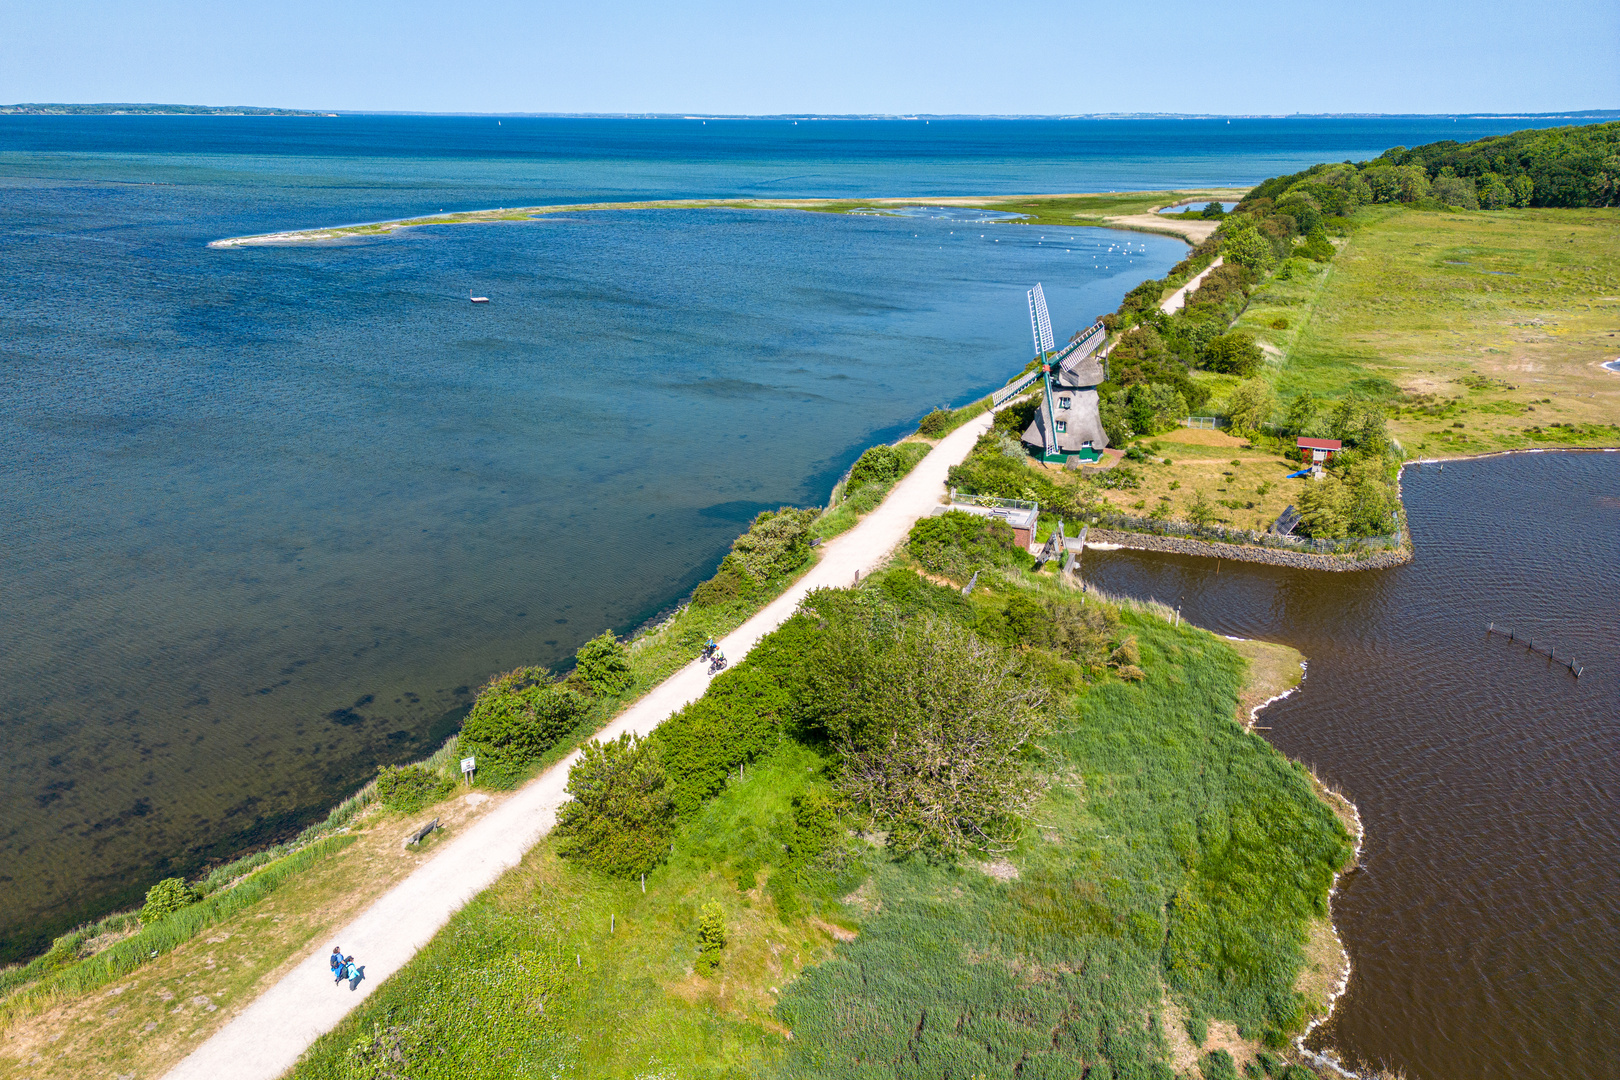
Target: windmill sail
column 1040, row 325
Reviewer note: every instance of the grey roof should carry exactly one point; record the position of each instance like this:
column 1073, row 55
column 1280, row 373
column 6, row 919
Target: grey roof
column 1082, row 423
column 1080, row 371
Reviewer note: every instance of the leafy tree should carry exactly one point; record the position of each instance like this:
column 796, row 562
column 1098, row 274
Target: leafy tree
column 1367, row 501
column 933, row 746
column 1250, row 250
column 1250, row 405
column 1234, row 354
column 167, row 897
column 1456, row 191
column 407, row 789
column 1212, row 211
column 1115, row 420
column 604, row 664
column 711, row 937
column 1301, row 411
column 1321, row 509
column 1154, row 407
column 620, row 819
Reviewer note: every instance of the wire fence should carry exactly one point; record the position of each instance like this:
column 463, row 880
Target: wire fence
column 1207, row 423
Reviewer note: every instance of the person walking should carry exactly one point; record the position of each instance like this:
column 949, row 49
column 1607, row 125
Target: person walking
column 335, row 962
column 353, row 972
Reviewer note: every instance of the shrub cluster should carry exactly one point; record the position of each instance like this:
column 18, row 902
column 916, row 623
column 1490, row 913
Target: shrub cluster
column 409, row 788
column 517, row 717
column 620, row 818
column 777, row 543
column 603, row 665
column 957, row 543
column 167, row 897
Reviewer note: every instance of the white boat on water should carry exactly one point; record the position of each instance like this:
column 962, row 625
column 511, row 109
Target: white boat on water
column 480, row 299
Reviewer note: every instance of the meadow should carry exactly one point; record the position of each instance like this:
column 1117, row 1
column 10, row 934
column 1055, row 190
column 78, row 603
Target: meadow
column 1482, row 330
column 1160, row 896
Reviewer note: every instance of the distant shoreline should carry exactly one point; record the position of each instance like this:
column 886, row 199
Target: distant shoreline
column 131, row 109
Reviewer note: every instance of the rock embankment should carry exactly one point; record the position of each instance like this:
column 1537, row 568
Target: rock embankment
column 1304, row 560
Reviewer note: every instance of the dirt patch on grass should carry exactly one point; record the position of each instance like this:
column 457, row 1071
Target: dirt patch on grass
column 1274, row 670
column 145, row 1022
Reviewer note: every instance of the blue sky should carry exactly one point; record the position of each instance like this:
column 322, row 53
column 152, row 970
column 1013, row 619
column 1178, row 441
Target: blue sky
column 841, row 56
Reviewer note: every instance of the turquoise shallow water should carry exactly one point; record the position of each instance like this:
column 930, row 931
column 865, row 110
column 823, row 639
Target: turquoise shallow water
column 270, row 515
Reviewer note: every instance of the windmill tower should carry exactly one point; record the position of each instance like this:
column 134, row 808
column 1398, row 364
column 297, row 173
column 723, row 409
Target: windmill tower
column 1040, row 325
column 1068, row 425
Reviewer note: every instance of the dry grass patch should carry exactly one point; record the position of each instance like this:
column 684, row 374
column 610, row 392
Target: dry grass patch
column 145, row 1022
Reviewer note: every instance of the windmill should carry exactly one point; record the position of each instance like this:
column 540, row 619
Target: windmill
column 1040, row 325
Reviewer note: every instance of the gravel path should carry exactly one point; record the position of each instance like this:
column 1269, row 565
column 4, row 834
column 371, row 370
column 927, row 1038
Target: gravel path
column 1178, row 299
column 267, row 1037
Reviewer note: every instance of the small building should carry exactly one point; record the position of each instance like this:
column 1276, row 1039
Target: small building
column 1317, row 451
column 1023, row 517
column 1071, row 405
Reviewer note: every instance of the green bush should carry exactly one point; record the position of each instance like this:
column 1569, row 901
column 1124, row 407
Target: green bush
column 879, row 464
column 518, row 717
column 935, row 424
column 621, row 819
column 1234, row 354
column 167, row 897
column 604, row 664
column 711, row 937
column 409, row 788
column 777, row 543
column 736, row 721
column 956, row 544
column 728, row 584
column 1197, row 1029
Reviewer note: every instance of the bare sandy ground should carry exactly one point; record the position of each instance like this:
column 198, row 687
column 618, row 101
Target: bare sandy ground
column 267, row 1037
column 1194, row 232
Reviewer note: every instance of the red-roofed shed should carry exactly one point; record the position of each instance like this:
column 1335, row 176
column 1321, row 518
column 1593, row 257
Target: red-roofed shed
column 1317, row 451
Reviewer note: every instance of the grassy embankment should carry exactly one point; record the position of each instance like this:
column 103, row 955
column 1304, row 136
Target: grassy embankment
column 1167, row 883
column 264, row 911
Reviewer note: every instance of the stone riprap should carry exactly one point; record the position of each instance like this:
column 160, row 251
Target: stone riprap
column 1304, row 560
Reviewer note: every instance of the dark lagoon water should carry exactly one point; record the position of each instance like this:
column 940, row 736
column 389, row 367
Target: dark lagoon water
column 270, row 515
column 1484, row 923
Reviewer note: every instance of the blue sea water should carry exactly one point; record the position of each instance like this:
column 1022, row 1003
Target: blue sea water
column 271, row 514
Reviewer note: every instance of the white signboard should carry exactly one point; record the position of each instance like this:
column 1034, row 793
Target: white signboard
column 466, row 764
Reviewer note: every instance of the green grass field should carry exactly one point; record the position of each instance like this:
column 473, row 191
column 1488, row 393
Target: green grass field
column 1175, row 867
column 1483, row 330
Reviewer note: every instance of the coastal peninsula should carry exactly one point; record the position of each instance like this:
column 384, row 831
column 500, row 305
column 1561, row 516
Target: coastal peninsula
column 1147, row 888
